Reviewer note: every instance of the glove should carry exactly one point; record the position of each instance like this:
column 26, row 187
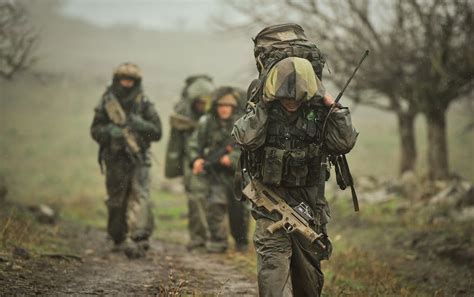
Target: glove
column 115, row 131
column 137, row 123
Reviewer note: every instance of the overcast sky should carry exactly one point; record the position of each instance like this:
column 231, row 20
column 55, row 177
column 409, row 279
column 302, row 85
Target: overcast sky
column 188, row 15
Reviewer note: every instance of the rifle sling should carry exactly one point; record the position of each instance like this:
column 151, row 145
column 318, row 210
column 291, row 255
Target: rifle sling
column 118, row 116
column 355, row 201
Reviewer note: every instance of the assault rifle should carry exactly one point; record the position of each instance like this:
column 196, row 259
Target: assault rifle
column 118, row 116
column 212, row 160
column 297, row 219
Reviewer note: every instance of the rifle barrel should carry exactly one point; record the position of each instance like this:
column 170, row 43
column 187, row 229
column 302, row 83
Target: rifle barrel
column 352, row 76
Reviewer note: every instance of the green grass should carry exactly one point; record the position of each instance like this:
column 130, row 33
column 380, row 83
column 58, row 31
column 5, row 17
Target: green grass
column 170, row 216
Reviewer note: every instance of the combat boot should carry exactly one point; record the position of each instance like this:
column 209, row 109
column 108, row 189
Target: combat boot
column 241, row 247
column 118, row 247
column 216, row 247
column 132, row 250
column 196, row 246
column 144, row 244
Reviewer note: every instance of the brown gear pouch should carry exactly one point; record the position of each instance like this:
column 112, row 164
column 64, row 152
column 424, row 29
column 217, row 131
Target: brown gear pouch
column 272, row 169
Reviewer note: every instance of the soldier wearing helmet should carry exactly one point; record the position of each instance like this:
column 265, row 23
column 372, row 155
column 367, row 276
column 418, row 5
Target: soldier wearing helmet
column 125, row 124
column 195, row 99
column 215, row 157
column 282, row 134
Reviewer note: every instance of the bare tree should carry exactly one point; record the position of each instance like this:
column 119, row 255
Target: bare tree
column 444, row 68
column 420, row 58
column 18, row 39
column 344, row 35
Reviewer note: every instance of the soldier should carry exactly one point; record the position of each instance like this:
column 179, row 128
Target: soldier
column 282, row 133
column 214, row 154
column 124, row 125
column 195, row 99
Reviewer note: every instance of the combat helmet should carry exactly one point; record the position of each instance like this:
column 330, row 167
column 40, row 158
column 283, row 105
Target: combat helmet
column 198, row 87
column 128, row 70
column 226, row 95
column 291, row 78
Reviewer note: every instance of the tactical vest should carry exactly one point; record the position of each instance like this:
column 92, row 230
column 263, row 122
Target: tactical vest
column 217, row 134
column 291, row 155
column 136, row 106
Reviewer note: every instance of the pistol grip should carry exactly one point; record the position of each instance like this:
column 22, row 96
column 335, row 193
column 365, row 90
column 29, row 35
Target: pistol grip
column 275, row 226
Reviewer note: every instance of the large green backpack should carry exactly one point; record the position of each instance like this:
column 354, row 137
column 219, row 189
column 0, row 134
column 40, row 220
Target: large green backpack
column 275, row 43
column 278, row 42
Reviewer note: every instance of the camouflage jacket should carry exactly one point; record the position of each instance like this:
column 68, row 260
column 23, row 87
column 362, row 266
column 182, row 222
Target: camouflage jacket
column 211, row 135
column 140, row 106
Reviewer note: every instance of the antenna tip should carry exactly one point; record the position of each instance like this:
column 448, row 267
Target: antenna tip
column 366, row 52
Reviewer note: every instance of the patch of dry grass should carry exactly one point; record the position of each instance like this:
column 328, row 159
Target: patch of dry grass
column 19, row 229
column 353, row 272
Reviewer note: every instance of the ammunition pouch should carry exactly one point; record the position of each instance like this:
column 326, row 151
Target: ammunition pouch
column 291, row 168
column 272, row 169
column 297, row 168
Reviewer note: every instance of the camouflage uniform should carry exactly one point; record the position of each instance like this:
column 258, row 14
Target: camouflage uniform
column 284, row 146
column 127, row 174
column 214, row 134
column 183, row 122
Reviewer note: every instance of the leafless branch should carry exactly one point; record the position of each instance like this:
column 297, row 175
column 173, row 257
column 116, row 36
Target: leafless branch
column 420, row 55
column 18, row 39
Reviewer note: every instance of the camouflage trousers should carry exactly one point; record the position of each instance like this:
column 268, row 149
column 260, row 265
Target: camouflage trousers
column 221, row 205
column 285, row 265
column 197, row 189
column 128, row 201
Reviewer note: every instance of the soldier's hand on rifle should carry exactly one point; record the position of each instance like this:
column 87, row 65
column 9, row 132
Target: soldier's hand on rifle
column 225, row 161
column 115, row 131
column 198, row 166
column 137, row 123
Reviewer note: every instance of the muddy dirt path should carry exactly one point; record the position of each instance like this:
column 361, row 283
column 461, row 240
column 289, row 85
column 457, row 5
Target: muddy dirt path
column 168, row 269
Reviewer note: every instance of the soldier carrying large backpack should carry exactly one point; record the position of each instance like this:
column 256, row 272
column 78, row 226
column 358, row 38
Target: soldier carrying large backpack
column 285, row 153
column 195, row 99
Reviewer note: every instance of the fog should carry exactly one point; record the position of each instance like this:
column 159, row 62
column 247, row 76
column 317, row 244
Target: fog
column 160, row 14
